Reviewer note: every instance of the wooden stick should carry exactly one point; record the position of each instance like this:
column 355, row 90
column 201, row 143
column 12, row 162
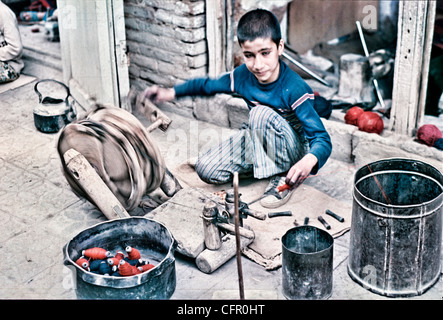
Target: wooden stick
column 81, row 170
column 243, row 231
column 210, row 260
column 237, row 237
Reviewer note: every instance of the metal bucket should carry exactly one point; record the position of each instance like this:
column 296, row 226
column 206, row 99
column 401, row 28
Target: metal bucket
column 396, row 228
column 307, row 254
column 151, row 238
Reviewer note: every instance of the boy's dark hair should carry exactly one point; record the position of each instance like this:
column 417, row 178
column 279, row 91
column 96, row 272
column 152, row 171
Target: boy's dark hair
column 258, row 23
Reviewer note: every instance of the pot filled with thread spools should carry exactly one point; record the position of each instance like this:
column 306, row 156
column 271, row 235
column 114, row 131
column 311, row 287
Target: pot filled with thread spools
column 128, row 258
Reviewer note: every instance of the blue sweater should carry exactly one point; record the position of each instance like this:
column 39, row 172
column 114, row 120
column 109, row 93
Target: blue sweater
column 289, row 95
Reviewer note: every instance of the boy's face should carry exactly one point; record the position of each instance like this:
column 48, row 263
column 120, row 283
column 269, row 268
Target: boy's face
column 262, row 58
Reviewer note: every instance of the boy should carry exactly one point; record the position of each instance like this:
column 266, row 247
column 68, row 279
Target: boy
column 282, row 120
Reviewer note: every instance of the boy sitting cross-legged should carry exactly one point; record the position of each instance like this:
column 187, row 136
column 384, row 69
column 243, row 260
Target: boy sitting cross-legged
column 285, row 138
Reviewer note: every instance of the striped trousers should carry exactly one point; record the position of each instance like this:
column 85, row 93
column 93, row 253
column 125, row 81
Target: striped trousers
column 267, row 147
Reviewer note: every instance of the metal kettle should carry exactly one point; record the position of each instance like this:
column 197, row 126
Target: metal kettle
column 52, row 114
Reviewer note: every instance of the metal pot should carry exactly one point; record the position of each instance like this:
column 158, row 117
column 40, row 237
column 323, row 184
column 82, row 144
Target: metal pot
column 52, row 114
column 151, row 238
column 396, row 229
column 307, row 256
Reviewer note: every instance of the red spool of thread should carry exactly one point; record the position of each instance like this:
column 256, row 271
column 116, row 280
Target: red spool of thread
column 133, row 253
column 82, row 262
column 370, row 122
column 119, row 255
column 352, row 115
column 428, row 134
column 96, row 253
column 126, row 269
column 146, row 267
column 113, row 261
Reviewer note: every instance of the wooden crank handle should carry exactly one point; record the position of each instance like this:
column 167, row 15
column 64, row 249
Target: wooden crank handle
column 82, row 171
column 144, row 106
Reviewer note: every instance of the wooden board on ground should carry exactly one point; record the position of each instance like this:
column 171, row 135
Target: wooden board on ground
column 182, row 216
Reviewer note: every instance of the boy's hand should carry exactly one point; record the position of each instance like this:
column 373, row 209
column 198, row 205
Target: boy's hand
column 301, row 170
column 158, row 94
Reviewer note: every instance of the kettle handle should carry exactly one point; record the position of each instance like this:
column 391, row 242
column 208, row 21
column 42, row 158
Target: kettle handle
column 40, row 97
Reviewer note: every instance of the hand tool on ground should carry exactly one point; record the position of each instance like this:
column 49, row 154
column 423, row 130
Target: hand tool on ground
column 365, row 49
column 323, row 221
column 244, row 209
column 283, row 187
column 278, row 189
column 334, row 215
column 279, row 214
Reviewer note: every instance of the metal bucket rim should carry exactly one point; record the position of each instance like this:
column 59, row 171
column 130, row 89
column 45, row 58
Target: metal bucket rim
column 328, row 235
column 395, row 160
column 397, row 205
column 127, row 281
column 394, row 206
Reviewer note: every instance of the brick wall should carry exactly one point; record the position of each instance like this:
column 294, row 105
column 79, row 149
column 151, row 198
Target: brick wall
column 166, row 41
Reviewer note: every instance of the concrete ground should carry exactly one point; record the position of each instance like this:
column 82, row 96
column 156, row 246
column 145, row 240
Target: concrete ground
column 40, row 214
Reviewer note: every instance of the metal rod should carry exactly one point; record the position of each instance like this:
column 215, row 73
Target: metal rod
column 237, row 237
column 323, row 221
column 334, row 215
column 305, row 69
column 365, row 49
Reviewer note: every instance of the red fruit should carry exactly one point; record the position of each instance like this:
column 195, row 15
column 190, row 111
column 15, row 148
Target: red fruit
column 352, row 115
column 370, row 122
column 428, row 134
